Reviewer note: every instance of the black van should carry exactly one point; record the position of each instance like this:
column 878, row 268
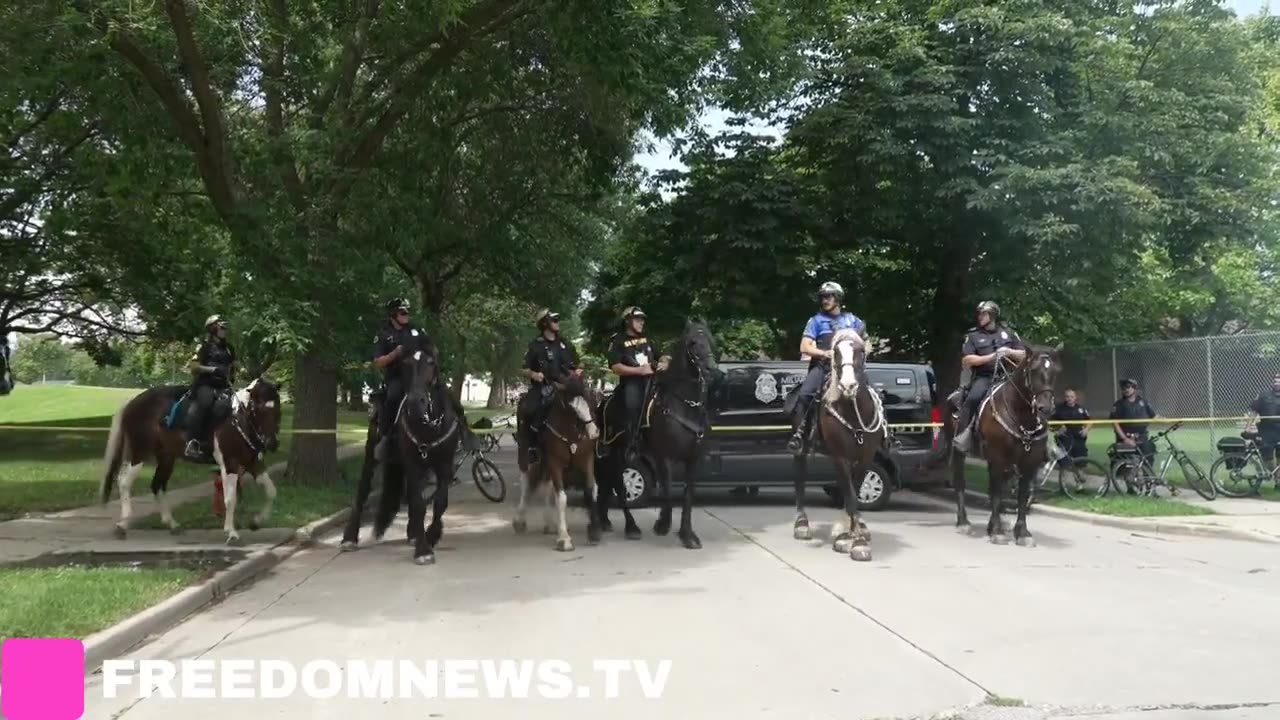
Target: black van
column 747, row 445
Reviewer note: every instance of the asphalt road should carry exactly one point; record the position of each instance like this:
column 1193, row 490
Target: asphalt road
column 1095, row 622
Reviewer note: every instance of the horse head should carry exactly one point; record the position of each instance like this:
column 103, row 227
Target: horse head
column 262, row 400
column 1037, row 375
column 849, row 360
column 700, row 350
column 575, row 396
column 421, row 375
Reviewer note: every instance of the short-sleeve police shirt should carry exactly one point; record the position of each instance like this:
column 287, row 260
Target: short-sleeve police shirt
column 1137, row 409
column 387, row 341
column 632, row 351
column 1065, row 412
column 552, row 358
column 1267, row 405
column 984, row 342
column 215, row 354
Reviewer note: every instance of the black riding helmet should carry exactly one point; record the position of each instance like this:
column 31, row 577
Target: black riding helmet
column 395, row 305
column 1128, row 382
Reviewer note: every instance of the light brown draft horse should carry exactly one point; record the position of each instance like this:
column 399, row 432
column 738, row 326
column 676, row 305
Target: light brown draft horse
column 851, row 428
column 245, row 429
column 568, row 439
column 1012, row 434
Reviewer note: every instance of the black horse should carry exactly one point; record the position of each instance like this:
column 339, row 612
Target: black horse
column 676, row 421
column 427, row 434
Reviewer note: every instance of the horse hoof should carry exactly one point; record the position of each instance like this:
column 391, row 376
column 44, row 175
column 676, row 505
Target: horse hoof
column 1026, row 541
column 119, row 532
column 253, row 525
column 428, row 559
column 860, row 553
column 520, row 526
column 842, row 543
column 549, row 530
column 233, row 541
column 691, row 541
column 999, row 539
column 349, row 546
column 606, row 526
column 565, row 545
column 661, row 528
column 965, row 529
column 633, row 533
column 593, row 535
column 802, row 532
column 175, row 530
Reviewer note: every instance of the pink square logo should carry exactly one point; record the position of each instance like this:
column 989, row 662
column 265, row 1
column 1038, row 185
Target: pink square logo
column 42, row 679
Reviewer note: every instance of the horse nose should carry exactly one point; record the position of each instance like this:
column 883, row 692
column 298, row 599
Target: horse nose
column 273, row 444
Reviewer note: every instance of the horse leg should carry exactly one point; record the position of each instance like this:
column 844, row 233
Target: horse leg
column 125, row 483
column 518, row 522
column 393, row 490
column 663, row 525
column 555, row 489
column 440, row 502
column 550, row 494
column 958, row 479
column 229, row 482
column 605, row 465
column 687, row 536
column 1021, row 535
column 997, row 533
column 160, row 488
column 631, row 530
column 269, row 487
column 842, row 537
column 860, row 545
column 593, row 499
column 351, row 534
column 800, row 477
column 415, row 481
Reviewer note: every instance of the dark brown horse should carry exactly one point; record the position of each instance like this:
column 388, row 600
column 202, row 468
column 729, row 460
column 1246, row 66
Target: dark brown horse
column 1012, row 434
column 245, row 426
column 851, row 427
column 568, row 439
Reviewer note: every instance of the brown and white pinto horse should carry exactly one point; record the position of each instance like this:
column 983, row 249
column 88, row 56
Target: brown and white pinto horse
column 245, row 427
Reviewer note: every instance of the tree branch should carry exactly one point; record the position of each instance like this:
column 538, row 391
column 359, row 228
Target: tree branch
column 20, row 197
column 197, row 72
column 273, row 87
column 342, row 85
column 41, row 118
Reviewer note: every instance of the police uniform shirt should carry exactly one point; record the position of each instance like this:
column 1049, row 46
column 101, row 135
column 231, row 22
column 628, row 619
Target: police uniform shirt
column 1068, row 413
column 983, row 342
column 632, row 351
column 1267, row 404
column 552, row 358
column 388, row 340
column 822, row 328
column 1137, row 409
column 212, row 353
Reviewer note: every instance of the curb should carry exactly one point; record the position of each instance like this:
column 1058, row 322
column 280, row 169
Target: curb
column 132, row 631
column 1150, row 525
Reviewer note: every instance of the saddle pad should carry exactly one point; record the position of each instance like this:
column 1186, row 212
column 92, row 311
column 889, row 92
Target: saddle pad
column 170, row 420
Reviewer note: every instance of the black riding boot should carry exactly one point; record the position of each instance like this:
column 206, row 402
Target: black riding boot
column 964, row 437
column 531, row 444
column 799, row 429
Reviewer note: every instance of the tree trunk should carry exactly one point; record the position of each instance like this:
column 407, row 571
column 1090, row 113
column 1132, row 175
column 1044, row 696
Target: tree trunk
column 458, row 381
column 947, row 320
column 497, row 392
column 313, row 457
column 355, row 396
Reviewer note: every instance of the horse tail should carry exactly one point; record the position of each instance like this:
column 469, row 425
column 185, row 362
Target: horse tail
column 114, row 456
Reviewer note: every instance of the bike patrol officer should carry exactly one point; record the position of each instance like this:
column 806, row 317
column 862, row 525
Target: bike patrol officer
column 984, row 346
column 1132, row 406
column 634, row 359
column 549, row 358
column 1267, row 407
column 213, row 365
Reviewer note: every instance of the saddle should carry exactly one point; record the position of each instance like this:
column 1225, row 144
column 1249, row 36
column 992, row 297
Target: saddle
column 174, row 417
column 613, row 427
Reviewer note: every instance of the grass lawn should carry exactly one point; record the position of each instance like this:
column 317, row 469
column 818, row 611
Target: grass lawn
column 295, row 506
column 43, row 470
column 76, row 601
column 1111, row 504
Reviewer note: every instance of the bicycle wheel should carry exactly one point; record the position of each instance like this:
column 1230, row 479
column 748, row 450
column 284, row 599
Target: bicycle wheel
column 1083, row 479
column 1122, row 477
column 1237, row 482
column 1195, row 477
column 489, row 479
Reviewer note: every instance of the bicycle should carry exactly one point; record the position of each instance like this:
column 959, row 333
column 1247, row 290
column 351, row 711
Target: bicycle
column 486, row 475
column 1078, row 477
column 1132, row 467
column 1242, row 464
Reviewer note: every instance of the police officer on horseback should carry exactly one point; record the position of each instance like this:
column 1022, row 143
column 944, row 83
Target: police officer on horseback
column 550, row 358
column 634, row 359
column 213, row 365
column 985, row 347
column 816, row 345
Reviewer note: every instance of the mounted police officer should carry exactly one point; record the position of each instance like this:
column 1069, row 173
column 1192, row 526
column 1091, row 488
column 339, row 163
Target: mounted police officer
column 214, row 366
column 634, row 359
column 816, row 345
column 550, row 358
column 984, row 347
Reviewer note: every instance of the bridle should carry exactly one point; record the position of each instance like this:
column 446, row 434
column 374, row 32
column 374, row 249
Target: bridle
column 579, row 425
column 699, row 406
column 877, row 422
column 1028, row 395
column 432, row 423
column 250, row 432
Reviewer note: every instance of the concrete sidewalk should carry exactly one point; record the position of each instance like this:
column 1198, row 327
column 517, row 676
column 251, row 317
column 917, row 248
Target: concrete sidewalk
column 90, row 527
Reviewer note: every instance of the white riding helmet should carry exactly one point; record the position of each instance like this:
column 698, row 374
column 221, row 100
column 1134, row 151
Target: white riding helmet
column 831, row 288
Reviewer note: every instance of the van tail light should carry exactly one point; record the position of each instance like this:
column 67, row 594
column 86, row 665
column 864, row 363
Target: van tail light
column 935, row 417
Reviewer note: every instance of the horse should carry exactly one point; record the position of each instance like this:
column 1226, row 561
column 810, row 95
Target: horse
column 427, row 431
column 851, row 427
column 1011, row 433
column 568, row 438
column 678, row 420
column 146, row 429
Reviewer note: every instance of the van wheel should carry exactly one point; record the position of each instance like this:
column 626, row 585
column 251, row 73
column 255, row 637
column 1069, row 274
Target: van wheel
column 638, row 484
column 876, row 488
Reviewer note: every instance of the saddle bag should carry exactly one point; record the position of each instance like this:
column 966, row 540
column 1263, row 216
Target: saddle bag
column 1233, row 449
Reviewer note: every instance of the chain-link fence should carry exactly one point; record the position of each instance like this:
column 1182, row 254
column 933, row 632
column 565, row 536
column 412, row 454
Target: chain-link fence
column 1211, row 380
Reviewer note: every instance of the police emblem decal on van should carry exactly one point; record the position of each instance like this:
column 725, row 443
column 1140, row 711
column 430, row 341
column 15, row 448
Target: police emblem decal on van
column 766, row 388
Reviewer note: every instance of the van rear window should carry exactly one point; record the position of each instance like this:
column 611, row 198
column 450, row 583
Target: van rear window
column 890, row 380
